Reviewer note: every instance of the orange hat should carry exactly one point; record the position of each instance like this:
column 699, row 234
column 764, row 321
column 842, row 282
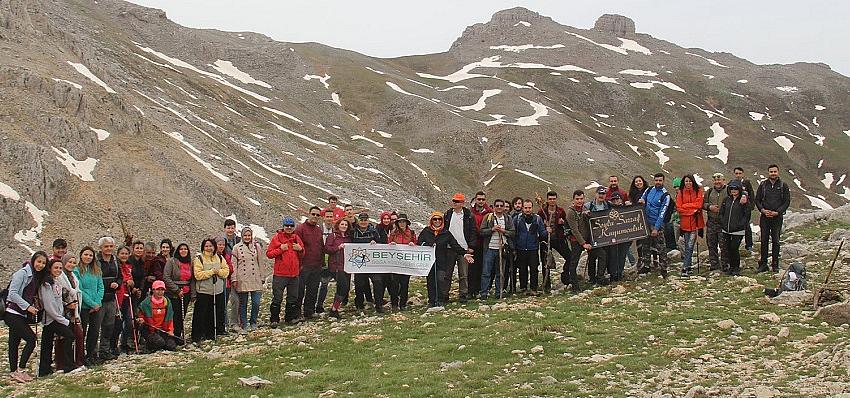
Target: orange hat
column 459, row 197
column 436, row 213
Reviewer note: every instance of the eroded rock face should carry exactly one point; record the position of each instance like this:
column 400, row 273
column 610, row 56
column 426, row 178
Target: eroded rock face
column 620, row 26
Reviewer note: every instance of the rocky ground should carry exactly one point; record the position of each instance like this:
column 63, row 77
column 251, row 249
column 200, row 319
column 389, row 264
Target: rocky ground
column 708, row 335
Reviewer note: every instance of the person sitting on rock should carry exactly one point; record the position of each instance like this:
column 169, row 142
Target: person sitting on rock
column 156, row 320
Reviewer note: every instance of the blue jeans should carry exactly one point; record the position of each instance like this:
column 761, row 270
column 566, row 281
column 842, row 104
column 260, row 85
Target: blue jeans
column 489, row 270
column 690, row 239
column 255, row 307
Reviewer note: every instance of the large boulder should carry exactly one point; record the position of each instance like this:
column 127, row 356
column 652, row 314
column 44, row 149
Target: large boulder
column 835, row 314
column 794, row 299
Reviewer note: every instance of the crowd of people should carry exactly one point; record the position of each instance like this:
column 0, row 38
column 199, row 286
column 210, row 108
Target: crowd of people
column 98, row 303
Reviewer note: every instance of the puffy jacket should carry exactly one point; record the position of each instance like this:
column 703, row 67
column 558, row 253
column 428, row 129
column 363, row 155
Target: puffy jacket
column 110, row 272
column 368, row 235
column 204, row 268
column 733, row 215
column 286, row 262
column 529, row 238
column 470, row 228
column 91, row 288
column 655, row 205
column 689, row 206
column 773, row 196
column 22, row 290
column 314, row 245
column 335, row 260
column 445, row 245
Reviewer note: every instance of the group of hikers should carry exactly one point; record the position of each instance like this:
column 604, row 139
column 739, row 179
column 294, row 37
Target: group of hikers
column 98, row 303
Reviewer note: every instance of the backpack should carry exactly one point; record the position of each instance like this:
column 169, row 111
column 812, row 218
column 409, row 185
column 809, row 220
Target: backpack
column 798, row 270
column 4, row 295
column 671, row 207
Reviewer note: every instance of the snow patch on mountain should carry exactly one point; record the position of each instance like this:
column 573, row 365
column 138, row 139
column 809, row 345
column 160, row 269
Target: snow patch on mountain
column 493, row 62
column 208, row 166
column 421, row 150
column 784, row 142
column 638, row 72
column 322, row 79
column 81, row 168
column 788, row 89
column 179, row 137
column 819, row 107
column 481, row 103
column 606, row 79
column 756, row 116
column 284, row 114
column 75, row 85
column 84, row 70
column 717, row 140
column 827, row 180
column 648, row 85
column 32, row 234
column 532, row 175
column 625, row 46
column 227, row 68
column 9, row 192
column 101, row 134
column 540, row 110
column 367, row 139
column 518, row 49
column 819, row 203
column 711, row 61
column 523, row 23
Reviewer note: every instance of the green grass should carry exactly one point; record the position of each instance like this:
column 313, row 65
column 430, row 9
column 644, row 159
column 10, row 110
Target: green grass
column 820, row 230
column 400, row 355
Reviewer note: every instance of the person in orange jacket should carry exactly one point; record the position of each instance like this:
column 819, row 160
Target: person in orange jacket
column 689, row 205
column 286, row 248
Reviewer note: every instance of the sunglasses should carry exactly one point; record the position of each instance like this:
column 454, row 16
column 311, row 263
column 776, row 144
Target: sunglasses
column 437, row 219
column 457, row 201
column 498, row 205
column 315, row 214
column 289, row 226
column 480, row 199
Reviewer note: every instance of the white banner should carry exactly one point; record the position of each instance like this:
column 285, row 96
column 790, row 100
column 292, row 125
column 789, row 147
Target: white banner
column 364, row 258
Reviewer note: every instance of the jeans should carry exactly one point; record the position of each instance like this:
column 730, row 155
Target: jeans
column 381, row 282
column 66, row 336
column 490, row 270
column 323, row 289
column 19, row 329
column 770, row 229
column 690, row 238
column 630, row 255
column 232, row 314
column 255, row 297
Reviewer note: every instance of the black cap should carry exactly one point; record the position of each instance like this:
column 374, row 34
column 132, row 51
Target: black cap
column 363, row 216
column 616, row 195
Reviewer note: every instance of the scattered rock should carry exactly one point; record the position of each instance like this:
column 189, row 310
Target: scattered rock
column 538, row 349
column 444, row 366
column 619, row 289
column 696, row 392
column 726, row 324
column 766, row 392
column 839, row 234
column 435, row 309
column 815, row 339
column 834, row 314
column 296, row 374
column 769, row 317
column 115, row 389
column 784, row 333
column 679, row 352
column 607, row 300
column 327, row 394
column 794, row 299
column 193, row 388
column 548, row 380
column 518, row 352
column 793, row 250
column 253, row 381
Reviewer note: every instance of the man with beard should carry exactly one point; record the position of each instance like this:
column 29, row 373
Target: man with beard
column 772, row 199
column 614, row 186
column 530, row 231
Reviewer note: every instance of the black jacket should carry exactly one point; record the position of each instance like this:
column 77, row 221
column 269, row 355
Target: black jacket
column 734, row 216
column 470, row 232
column 446, row 247
column 773, row 196
column 371, row 233
column 110, row 272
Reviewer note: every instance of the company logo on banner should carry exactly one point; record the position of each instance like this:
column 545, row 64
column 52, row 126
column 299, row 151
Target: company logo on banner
column 394, row 259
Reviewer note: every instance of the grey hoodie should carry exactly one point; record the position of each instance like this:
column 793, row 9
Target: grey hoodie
column 51, row 299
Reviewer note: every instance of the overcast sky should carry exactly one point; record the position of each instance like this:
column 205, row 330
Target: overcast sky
column 764, row 32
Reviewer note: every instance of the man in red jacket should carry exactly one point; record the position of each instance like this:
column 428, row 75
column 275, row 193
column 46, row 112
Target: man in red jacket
column 310, row 233
column 286, row 248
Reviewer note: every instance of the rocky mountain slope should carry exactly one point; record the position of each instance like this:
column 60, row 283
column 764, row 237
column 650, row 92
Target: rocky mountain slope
column 109, row 110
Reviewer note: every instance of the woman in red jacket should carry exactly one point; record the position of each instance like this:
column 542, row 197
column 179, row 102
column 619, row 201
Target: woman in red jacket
column 689, row 206
column 334, row 245
column 401, row 235
column 286, row 248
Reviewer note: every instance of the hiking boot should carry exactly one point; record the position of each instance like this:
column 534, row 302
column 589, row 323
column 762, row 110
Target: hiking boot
column 292, row 322
column 334, row 314
column 643, row 270
column 380, row 309
column 274, row 325
column 761, row 268
column 320, row 310
column 774, row 268
column 462, row 299
column 664, row 273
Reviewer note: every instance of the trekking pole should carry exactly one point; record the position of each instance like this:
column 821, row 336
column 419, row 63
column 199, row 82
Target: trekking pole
column 696, row 245
column 133, row 323
column 501, row 264
column 182, row 319
column 215, row 312
column 821, row 288
column 166, row 333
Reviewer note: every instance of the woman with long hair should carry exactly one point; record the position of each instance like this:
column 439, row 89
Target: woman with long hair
column 91, row 291
column 72, row 299
column 210, row 270
column 55, row 322
column 179, row 287
column 636, row 190
column 401, row 235
column 21, row 310
column 689, row 206
column 334, row 245
column 124, row 295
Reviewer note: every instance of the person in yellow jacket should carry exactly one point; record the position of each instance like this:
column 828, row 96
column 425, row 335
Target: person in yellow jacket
column 210, row 271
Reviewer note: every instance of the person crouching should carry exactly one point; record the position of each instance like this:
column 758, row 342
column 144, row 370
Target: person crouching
column 156, row 320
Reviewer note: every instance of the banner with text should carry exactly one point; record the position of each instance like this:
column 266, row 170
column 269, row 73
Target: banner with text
column 363, row 258
column 617, row 225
